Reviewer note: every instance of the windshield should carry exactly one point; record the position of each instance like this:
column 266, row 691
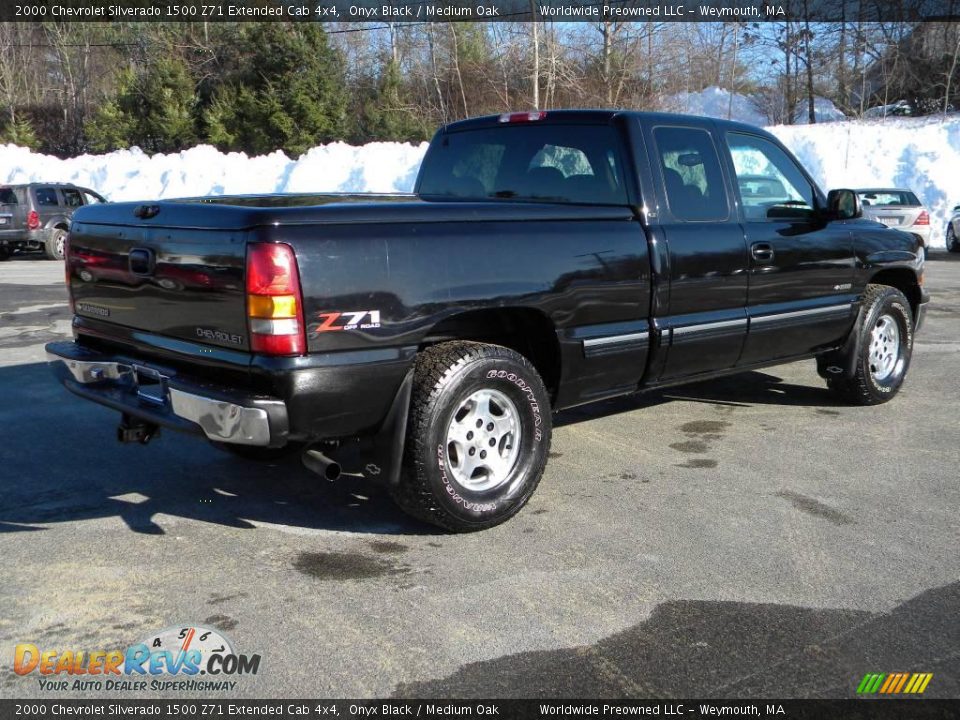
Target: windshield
column 555, row 163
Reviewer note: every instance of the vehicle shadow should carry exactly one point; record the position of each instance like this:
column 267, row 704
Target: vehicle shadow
column 61, row 463
column 716, row 649
column 744, row 389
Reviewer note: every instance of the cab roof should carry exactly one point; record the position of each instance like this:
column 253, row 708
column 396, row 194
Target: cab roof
column 598, row 117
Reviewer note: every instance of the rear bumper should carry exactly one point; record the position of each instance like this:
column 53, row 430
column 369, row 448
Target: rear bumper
column 15, row 237
column 162, row 396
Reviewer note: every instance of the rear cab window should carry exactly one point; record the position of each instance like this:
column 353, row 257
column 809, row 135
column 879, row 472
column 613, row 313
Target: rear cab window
column 578, row 164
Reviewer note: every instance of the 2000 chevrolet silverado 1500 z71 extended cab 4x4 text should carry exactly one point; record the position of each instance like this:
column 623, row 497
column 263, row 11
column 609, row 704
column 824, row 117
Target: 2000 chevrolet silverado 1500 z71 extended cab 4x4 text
column 545, row 260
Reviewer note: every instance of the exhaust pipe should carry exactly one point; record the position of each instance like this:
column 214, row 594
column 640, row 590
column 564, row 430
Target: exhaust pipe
column 317, row 462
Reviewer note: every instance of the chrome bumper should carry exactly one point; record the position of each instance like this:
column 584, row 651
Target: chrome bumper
column 150, row 394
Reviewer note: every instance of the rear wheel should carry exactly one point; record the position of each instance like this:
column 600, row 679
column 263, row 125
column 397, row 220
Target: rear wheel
column 4, row 253
column 478, row 436
column 55, row 243
column 885, row 348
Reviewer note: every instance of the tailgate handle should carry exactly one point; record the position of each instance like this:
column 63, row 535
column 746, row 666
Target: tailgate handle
column 141, row 261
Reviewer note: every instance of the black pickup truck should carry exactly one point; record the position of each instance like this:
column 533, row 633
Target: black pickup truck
column 545, row 260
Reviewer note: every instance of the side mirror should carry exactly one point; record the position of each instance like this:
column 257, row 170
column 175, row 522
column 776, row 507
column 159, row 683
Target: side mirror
column 844, row 205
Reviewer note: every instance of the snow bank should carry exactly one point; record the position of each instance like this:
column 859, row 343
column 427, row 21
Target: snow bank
column 921, row 154
column 715, row 102
column 204, row 170
column 917, row 153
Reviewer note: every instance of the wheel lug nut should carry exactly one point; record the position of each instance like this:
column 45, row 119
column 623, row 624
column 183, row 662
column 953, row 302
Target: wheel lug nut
column 470, row 435
column 483, row 454
column 479, row 423
column 473, row 451
column 490, row 427
column 493, row 441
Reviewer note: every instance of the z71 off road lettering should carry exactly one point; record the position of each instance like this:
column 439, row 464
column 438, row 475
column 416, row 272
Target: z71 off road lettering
column 545, row 260
column 347, row 320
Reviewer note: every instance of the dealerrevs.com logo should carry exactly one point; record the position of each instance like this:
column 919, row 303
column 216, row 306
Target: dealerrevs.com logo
column 173, row 659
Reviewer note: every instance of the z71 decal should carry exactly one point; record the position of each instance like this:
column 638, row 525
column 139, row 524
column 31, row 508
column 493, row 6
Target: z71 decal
column 347, row 320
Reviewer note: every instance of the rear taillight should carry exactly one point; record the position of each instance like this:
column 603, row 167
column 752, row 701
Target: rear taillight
column 33, row 220
column 922, row 219
column 274, row 309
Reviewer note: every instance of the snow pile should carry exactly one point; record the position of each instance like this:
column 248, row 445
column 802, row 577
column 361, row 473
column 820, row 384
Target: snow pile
column 204, row 170
column 715, row 102
column 921, row 154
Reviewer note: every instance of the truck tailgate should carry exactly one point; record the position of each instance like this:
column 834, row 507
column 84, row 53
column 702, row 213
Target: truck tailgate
column 185, row 283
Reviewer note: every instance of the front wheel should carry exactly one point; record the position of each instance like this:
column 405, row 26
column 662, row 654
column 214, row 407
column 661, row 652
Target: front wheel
column 885, row 348
column 55, row 244
column 951, row 238
column 478, row 436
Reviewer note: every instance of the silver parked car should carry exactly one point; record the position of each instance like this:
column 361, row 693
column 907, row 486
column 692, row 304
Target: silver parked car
column 952, row 233
column 897, row 208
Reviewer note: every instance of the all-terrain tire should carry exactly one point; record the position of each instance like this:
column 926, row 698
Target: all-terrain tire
column 885, row 349
column 478, row 436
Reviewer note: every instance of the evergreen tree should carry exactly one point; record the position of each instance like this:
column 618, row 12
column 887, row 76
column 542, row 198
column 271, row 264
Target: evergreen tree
column 19, row 132
column 153, row 108
column 388, row 114
column 287, row 93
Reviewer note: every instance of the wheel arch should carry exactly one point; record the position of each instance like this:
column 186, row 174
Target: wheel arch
column 903, row 279
column 526, row 330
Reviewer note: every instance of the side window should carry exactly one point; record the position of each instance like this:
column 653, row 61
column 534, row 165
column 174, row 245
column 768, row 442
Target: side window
column 691, row 174
column 46, row 196
column 771, row 185
column 72, row 198
column 91, row 198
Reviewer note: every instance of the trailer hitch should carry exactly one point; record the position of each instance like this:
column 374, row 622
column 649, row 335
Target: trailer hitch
column 135, row 430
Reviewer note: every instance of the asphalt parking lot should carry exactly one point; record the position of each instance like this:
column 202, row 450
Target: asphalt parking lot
column 747, row 537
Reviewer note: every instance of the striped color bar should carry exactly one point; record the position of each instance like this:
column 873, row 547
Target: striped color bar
column 894, row 683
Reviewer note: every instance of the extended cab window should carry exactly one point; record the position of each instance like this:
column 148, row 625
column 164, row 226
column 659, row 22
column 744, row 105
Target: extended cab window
column 556, row 163
column 691, row 174
column 771, row 185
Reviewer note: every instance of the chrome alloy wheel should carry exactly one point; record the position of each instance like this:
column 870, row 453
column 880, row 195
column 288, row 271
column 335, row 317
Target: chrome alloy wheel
column 483, row 440
column 884, row 348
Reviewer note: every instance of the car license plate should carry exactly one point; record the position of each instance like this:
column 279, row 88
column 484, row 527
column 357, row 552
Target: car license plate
column 890, row 221
column 3, row 221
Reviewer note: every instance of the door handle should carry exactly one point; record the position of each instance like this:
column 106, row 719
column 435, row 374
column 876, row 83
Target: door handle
column 762, row 252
